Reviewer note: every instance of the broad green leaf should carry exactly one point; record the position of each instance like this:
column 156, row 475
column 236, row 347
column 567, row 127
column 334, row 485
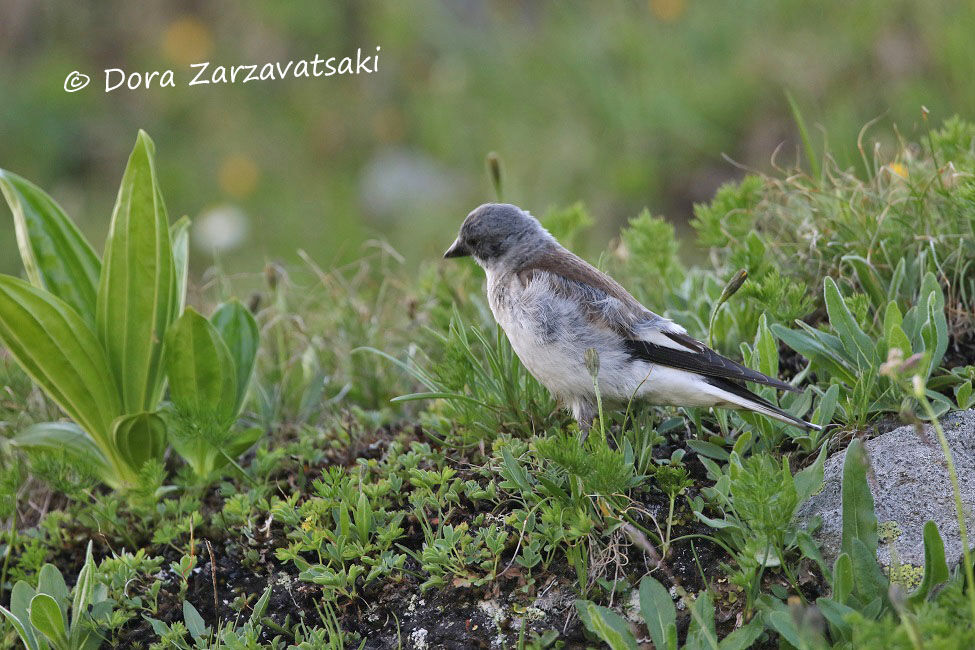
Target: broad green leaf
column 827, row 406
column 810, row 548
column 929, row 285
column 782, row 622
column 896, row 280
column 872, row 609
column 813, row 348
column 716, row 523
column 137, row 293
column 912, row 327
column 58, row 350
column 239, row 331
column 701, row 631
column 708, row 449
column 70, row 439
column 607, row 625
column 20, row 597
column 858, row 345
column 859, row 519
column 22, row 628
column 894, row 333
column 868, row 279
column 515, row 471
column 202, row 378
column 260, row 607
column 363, row 519
column 244, row 441
column 842, row 578
column 935, row 566
column 963, row 395
column 934, row 331
column 47, row 618
column 810, row 480
column 832, row 344
column 139, row 437
column 658, row 611
column 743, row 637
column 179, row 234
column 869, row 581
column 56, row 256
column 835, row 613
column 194, row 622
column 51, row 582
column 160, row 628
column 742, row 443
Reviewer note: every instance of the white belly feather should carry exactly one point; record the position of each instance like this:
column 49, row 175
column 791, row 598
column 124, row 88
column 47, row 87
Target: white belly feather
column 550, row 335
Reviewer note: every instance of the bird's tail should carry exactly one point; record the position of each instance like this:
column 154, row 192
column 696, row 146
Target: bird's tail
column 738, row 397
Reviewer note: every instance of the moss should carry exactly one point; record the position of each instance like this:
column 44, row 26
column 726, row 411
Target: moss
column 907, row 575
column 889, row 531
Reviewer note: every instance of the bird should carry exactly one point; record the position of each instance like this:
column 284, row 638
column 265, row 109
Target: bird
column 554, row 307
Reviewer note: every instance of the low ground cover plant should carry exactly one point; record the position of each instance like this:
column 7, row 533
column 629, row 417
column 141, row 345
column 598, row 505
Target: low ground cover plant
column 358, row 459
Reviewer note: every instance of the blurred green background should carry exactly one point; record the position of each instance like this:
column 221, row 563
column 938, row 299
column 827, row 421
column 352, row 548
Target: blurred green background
column 618, row 104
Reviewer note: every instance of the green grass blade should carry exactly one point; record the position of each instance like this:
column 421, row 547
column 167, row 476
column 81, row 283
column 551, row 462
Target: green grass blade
column 807, row 146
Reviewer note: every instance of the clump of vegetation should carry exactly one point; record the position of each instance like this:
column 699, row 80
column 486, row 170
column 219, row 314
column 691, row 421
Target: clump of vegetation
column 395, row 476
column 90, row 332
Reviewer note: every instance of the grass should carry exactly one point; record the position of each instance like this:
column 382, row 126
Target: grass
column 415, row 485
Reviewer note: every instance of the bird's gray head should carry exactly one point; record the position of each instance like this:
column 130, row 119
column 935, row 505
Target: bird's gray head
column 498, row 231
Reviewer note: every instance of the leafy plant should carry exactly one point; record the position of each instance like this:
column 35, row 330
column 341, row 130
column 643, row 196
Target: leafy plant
column 209, row 364
column 660, row 617
column 90, row 332
column 758, row 497
column 860, row 588
column 201, row 635
column 848, row 355
column 41, row 615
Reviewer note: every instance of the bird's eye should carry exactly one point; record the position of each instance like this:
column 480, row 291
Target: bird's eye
column 472, row 242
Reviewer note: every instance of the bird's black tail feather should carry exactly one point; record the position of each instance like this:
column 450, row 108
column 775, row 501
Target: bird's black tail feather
column 740, row 391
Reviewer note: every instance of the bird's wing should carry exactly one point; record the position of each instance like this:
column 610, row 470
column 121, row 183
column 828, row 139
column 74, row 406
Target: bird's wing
column 645, row 335
column 603, row 299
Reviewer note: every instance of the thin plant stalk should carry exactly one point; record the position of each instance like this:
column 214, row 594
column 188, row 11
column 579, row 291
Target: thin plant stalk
column 918, row 385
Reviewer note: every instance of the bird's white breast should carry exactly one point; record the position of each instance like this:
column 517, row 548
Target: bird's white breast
column 550, row 334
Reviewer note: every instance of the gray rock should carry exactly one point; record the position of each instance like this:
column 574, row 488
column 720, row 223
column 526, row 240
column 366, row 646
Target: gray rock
column 910, row 486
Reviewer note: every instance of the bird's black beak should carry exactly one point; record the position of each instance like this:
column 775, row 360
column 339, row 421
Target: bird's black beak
column 457, row 249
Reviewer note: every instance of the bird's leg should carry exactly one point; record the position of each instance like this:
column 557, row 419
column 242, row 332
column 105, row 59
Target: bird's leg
column 583, row 412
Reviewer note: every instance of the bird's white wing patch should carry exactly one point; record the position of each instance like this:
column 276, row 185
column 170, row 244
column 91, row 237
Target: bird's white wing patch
column 653, row 332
